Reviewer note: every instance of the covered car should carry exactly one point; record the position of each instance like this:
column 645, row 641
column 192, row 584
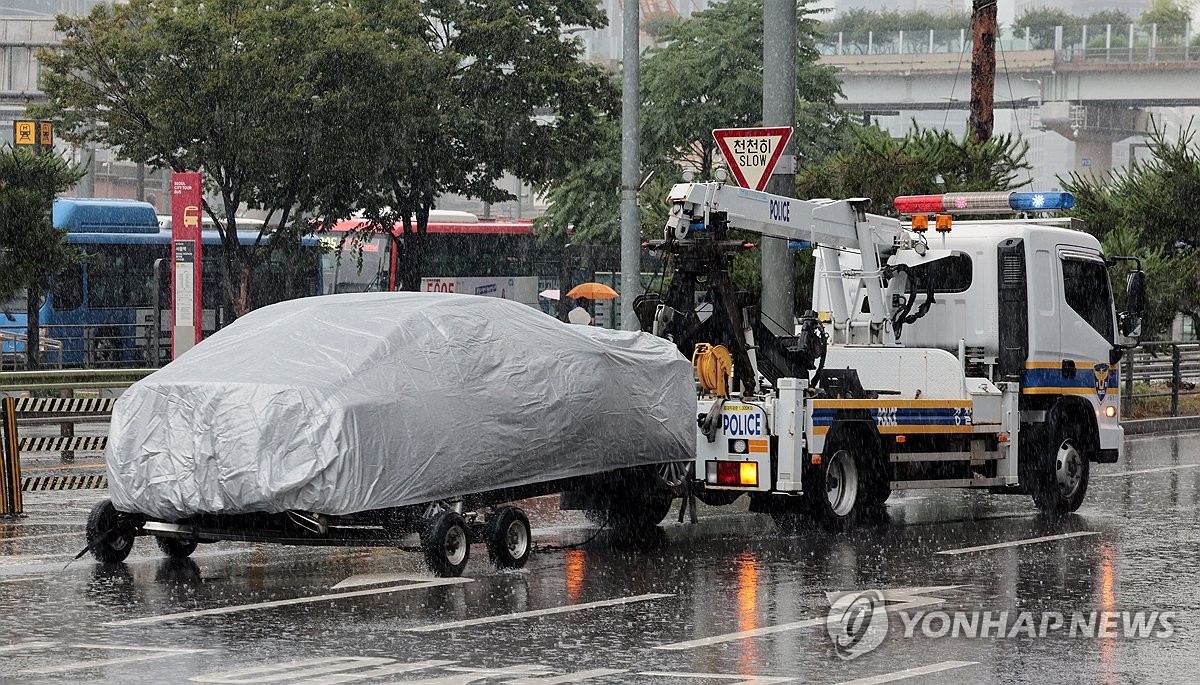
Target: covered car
column 348, row 403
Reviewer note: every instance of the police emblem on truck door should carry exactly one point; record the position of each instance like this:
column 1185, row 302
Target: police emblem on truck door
column 1102, row 371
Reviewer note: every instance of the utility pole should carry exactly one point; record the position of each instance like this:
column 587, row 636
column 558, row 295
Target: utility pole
column 983, row 69
column 631, row 126
column 779, row 109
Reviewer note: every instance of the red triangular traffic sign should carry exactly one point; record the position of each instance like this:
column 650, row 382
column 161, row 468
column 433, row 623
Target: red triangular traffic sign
column 752, row 152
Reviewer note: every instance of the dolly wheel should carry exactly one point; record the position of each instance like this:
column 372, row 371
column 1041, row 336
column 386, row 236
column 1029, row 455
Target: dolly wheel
column 109, row 538
column 508, row 538
column 176, row 548
column 446, row 542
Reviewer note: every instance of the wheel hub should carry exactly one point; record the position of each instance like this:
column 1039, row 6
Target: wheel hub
column 1068, row 468
column 841, row 483
column 455, row 545
column 516, row 539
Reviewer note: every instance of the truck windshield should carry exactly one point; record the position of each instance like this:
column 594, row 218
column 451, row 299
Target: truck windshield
column 1085, row 285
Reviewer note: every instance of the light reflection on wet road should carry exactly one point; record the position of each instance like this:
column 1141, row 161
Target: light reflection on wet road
column 729, row 598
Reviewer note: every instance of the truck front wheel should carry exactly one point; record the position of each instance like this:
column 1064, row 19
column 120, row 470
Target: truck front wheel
column 1060, row 482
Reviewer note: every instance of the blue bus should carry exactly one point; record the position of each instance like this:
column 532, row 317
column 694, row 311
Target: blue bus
column 100, row 313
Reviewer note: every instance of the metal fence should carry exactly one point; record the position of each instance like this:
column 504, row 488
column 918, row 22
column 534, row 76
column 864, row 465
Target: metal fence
column 1157, row 374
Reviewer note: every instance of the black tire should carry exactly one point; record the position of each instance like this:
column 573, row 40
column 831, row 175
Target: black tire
column 509, row 539
column 632, row 513
column 109, row 536
column 446, row 542
column 833, row 491
column 176, row 548
column 1060, row 474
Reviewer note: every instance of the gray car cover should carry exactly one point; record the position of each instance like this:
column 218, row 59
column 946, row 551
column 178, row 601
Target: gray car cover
column 346, row 403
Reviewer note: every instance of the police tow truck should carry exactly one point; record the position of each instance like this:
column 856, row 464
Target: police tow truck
column 978, row 354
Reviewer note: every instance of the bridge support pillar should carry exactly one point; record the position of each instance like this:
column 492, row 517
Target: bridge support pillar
column 1094, row 129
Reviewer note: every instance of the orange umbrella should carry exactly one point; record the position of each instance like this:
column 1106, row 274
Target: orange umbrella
column 593, row 291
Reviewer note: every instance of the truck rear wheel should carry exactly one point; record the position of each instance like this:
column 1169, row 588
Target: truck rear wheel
column 847, row 480
column 176, row 548
column 446, row 542
column 1060, row 481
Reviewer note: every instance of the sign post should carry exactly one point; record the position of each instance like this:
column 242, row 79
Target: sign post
column 752, row 153
column 186, row 297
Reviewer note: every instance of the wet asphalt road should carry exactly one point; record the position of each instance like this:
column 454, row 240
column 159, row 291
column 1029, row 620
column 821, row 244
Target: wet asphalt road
column 728, row 600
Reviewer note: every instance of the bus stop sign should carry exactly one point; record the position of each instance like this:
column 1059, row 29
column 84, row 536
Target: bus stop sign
column 752, row 153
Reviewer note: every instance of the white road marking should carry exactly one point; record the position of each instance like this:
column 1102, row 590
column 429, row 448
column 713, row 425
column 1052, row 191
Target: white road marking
column 289, row 670
column 741, row 679
column 909, row 673
column 22, row 646
column 155, row 653
column 422, row 582
column 1014, row 543
column 576, row 677
column 371, row 579
column 539, row 612
column 898, row 599
column 1159, row 469
column 25, row 579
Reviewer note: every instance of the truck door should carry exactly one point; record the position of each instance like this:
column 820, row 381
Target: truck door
column 1086, row 323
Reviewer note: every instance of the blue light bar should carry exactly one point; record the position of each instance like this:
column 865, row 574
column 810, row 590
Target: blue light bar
column 799, row 245
column 1040, row 202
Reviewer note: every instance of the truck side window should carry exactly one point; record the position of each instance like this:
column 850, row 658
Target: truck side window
column 1085, row 286
column 67, row 289
column 949, row 275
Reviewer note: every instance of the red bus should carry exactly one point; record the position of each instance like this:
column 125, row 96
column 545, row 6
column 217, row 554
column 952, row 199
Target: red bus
column 462, row 254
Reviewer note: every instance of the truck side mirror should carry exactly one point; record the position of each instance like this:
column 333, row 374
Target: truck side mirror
column 1135, row 305
column 1135, row 294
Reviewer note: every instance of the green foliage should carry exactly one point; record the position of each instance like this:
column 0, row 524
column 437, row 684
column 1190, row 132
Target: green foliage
column 1141, row 211
column 235, row 88
column 706, row 74
column 855, row 24
column 1041, row 22
column 880, row 167
column 1171, row 19
column 32, row 249
column 491, row 73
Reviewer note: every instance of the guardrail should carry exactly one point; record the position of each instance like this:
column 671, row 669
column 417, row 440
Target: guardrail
column 1169, row 368
column 66, row 411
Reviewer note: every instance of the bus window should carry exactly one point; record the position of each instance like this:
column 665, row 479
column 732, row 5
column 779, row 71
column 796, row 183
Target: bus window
column 66, row 290
column 345, row 276
column 121, row 276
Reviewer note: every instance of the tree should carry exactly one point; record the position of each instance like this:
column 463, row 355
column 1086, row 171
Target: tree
column 1170, row 19
column 503, row 91
column 1042, row 23
column 707, row 74
column 924, row 161
column 238, row 89
column 1137, row 212
column 33, row 250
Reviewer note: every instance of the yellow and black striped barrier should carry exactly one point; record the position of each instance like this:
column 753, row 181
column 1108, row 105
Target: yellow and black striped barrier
column 10, row 455
column 47, row 483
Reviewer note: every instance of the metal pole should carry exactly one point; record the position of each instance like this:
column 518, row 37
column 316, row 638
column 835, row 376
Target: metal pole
column 779, row 109
column 156, row 320
column 1176, row 381
column 631, row 229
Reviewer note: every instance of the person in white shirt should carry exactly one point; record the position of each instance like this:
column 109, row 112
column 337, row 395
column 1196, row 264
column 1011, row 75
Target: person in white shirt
column 580, row 315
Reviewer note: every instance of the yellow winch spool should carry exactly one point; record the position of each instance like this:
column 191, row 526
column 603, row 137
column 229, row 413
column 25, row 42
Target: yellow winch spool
column 714, row 366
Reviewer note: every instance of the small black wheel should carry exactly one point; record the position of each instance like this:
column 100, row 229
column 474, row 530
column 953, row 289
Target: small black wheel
column 176, row 548
column 109, row 536
column 446, row 542
column 509, row 538
column 1060, row 481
